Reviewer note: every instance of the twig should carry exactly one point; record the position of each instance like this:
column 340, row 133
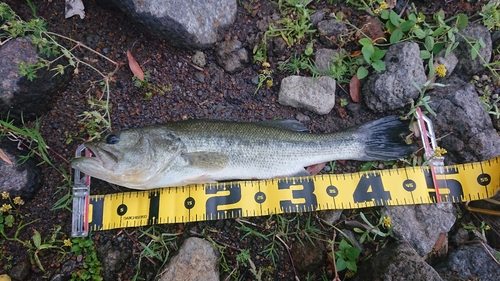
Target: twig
column 289, row 255
column 337, row 278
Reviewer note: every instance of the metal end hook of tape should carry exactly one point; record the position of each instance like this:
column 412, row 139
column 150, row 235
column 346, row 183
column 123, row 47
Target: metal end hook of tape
column 436, row 163
column 81, row 193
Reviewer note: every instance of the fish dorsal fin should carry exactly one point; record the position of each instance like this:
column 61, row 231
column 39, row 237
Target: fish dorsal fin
column 209, row 161
column 288, row 124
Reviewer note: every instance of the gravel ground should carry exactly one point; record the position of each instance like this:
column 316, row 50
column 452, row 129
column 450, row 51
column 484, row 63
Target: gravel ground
column 220, row 96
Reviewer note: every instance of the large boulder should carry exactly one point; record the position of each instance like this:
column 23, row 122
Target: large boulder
column 193, row 24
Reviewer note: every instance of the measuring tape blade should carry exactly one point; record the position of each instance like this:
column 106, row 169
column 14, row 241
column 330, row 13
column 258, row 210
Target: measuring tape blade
column 403, row 186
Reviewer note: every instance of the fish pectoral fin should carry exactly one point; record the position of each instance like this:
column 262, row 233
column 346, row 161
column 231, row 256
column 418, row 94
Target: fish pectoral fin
column 208, row 161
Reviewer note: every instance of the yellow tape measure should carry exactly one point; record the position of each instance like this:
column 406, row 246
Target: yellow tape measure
column 404, row 186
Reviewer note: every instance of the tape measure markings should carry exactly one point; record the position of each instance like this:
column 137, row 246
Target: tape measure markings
column 412, row 185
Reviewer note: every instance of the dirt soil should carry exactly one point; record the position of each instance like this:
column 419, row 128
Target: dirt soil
column 220, row 96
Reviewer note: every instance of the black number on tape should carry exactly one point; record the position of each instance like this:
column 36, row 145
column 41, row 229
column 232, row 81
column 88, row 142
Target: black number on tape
column 213, row 203
column 484, row 179
column 362, row 192
column 97, row 213
column 305, row 195
column 154, row 207
column 260, row 197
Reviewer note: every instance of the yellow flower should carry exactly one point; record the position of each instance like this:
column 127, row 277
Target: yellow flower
column 266, row 64
column 18, row 201
column 383, row 5
column 387, row 221
column 67, row 242
column 269, row 83
column 416, row 26
column 5, row 207
column 487, row 227
column 439, row 151
column 377, row 11
column 5, row 194
column 441, row 70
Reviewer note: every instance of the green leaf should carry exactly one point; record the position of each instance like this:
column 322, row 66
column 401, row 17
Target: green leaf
column 424, row 54
column 367, row 51
column 474, row 51
column 439, row 31
column 368, row 165
column 378, row 65
column 353, row 253
column 9, row 220
column 384, row 14
column 37, row 239
column 341, row 264
column 419, row 33
column 365, row 41
column 394, row 18
column 378, row 54
column 439, row 46
column 407, row 25
column 396, row 36
column 352, row 266
column 462, row 21
column 429, row 42
column 362, row 72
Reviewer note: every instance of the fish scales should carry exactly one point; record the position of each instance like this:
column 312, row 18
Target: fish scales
column 203, row 151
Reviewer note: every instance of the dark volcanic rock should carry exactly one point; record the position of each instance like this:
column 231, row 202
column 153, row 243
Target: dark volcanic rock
column 460, row 113
column 192, row 24
column 18, row 179
column 19, row 97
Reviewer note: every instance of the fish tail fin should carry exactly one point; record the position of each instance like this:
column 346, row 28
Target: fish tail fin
column 384, row 139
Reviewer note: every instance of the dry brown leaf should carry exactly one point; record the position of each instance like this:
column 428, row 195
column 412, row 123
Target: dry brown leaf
column 5, row 158
column 354, row 87
column 441, row 243
column 134, row 66
column 315, row 169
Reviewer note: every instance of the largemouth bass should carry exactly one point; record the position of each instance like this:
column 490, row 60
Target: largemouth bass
column 204, row 151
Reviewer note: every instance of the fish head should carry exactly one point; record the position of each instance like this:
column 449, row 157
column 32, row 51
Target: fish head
column 130, row 158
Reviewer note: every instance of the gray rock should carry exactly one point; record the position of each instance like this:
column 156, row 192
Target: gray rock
column 324, row 58
column 19, row 97
column 113, row 259
column 308, row 257
column 317, row 16
column 397, row 262
column 393, row 88
column 20, row 271
column 330, row 216
column 232, row 56
column 22, row 180
column 450, row 62
column 461, row 113
column 466, row 65
column 196, row 260
column 420, row 225
column 470, row 262
column 330, row 31
column 314, row 94
column 199, row 59
column 193, row 24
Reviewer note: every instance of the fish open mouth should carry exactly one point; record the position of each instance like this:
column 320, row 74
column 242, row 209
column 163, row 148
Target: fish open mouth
column 100, row 153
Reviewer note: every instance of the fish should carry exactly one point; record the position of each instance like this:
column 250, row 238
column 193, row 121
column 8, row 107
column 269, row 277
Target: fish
column 200, row 151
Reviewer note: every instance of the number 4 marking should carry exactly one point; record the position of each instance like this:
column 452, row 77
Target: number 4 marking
column 377, row 193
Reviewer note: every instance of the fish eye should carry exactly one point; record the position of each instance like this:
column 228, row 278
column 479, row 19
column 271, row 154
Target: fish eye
column 112, row 139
